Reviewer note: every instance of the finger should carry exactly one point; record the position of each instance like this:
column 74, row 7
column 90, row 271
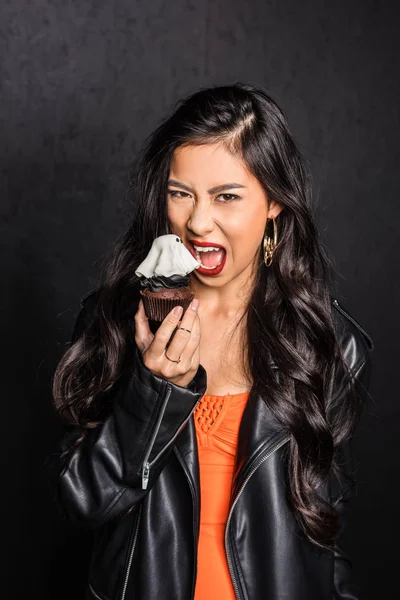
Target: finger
column 163, row 333
column 143, row 334
column 183, row 334
column 190, row 314
column 192, row 343
column 196, row 358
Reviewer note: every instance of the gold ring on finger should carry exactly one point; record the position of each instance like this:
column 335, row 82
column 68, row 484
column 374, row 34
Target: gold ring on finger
column 175, row 361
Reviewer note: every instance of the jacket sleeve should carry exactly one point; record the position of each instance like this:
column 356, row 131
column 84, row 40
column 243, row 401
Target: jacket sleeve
column 118, row 462
column 345, row 586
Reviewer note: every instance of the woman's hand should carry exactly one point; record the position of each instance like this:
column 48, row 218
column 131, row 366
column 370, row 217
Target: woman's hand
column 185, row 344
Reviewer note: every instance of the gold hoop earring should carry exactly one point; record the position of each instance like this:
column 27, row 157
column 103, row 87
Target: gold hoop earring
column 270, row 243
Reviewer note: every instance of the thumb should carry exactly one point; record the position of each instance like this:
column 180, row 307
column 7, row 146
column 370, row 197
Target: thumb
column 143, row 335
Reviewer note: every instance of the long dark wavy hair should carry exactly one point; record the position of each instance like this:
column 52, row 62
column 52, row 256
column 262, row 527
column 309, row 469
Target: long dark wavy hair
column 289, row 313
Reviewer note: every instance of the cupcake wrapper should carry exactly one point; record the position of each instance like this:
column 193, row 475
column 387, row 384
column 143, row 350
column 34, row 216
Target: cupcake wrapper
column 157, row 308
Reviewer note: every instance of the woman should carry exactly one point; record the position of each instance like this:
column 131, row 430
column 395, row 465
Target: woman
column 211, row 457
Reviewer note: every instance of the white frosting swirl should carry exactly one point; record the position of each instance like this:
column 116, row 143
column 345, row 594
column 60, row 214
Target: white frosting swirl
column 168, row 256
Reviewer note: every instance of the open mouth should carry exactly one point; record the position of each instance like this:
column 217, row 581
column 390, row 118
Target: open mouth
column 210, row 257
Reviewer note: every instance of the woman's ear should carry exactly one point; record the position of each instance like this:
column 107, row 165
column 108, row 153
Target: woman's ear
column 274, row 209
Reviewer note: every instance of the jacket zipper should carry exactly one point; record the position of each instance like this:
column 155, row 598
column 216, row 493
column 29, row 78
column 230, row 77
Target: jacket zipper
column 128, row 568
column 346, row 314
column 146, row 466
column 254, row 468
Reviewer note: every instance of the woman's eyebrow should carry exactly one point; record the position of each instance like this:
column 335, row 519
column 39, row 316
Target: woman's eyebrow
column 213, row 190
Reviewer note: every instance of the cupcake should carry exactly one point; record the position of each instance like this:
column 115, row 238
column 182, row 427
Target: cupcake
column 164, row 277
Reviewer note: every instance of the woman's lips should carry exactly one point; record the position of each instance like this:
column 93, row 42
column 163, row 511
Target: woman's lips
column 206, row 244
column 203, row 269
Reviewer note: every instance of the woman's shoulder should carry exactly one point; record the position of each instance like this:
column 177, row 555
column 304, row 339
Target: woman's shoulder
column 123, row 307
column 89, row 298
column 354, row 340
column 126, row 302
column 86, row 314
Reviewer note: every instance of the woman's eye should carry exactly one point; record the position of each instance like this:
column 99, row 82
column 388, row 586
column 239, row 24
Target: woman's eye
column 176, row 193
column 229, row 197
column 226, row 197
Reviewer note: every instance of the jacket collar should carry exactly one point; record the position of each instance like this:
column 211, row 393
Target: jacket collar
column 259, row 431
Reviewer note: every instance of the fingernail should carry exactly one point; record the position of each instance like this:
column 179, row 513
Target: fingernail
column 195, row 304
column 178, row 310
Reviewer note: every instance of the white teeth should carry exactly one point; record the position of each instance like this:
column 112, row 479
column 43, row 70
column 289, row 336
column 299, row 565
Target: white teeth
column 204, row 266
column 205, row 249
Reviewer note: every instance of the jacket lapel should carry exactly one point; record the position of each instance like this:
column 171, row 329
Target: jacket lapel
column 259, row 431
column 186, row 450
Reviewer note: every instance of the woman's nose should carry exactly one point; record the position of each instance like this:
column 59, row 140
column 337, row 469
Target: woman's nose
column 201, row 220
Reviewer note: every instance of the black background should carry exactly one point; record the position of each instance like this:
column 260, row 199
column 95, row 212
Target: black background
column 82, row 84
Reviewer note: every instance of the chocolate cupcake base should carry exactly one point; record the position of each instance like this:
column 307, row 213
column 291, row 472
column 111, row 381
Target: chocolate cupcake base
column 158, row 304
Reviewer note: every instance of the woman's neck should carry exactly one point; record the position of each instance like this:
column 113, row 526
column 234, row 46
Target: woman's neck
column 227, row 301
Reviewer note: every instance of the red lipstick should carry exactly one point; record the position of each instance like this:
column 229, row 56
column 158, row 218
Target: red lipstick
column 201, row 270
column 206, row 244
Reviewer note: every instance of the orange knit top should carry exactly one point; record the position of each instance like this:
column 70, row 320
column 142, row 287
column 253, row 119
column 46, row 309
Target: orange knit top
column 217, row 420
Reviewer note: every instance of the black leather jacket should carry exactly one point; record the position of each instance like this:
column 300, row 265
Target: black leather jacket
column 135, row 482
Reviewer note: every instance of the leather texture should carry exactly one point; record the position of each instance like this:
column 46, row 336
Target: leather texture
column 145, row 540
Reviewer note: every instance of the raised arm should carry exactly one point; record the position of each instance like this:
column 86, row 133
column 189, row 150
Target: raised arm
column 118, row 461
